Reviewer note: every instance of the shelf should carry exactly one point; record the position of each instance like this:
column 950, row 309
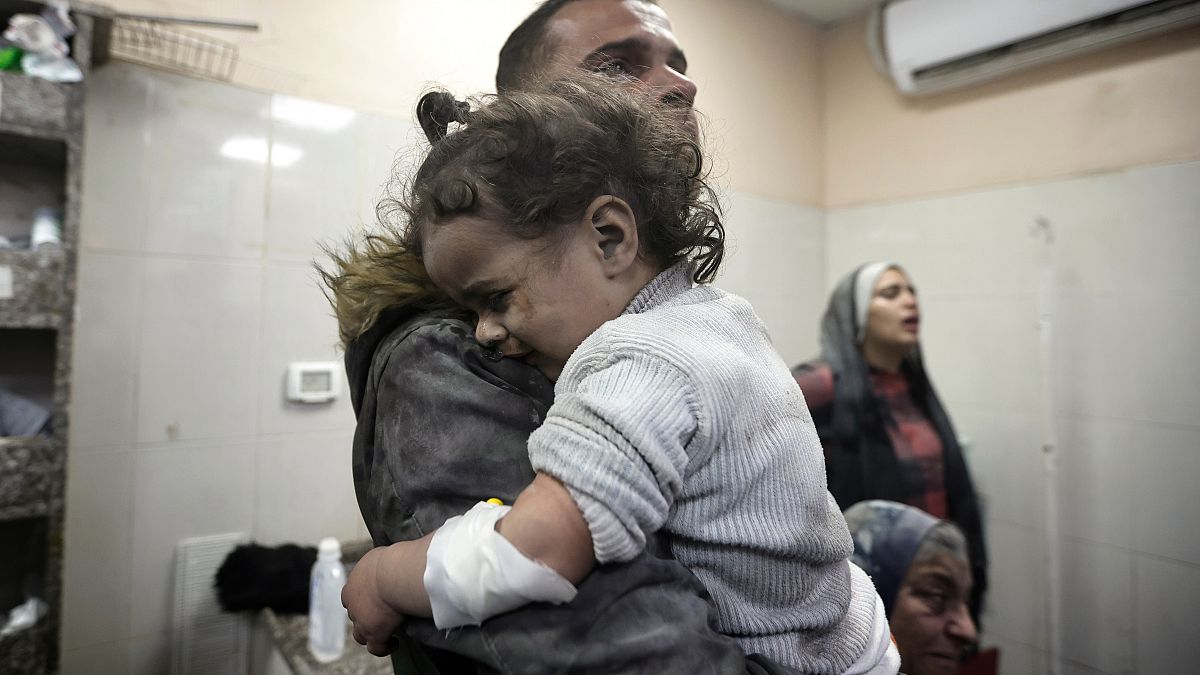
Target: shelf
column 41, row 149
column 27, row 467
column 32, row 289
column 27, row 651
column 23, row 574
column 34, row 103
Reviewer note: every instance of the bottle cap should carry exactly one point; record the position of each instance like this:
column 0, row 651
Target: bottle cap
column 329, row 546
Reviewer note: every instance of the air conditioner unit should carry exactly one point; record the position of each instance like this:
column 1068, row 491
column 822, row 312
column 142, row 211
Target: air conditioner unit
column 930, row 46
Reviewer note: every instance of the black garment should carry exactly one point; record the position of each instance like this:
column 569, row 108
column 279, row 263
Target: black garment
column 442, row 426
column 860, row 462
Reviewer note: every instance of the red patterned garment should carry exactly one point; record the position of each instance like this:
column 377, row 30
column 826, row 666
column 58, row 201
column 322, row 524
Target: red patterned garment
column 915, row 441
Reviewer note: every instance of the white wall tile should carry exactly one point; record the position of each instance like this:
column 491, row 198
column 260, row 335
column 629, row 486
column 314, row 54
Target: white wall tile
column 1097, row 605
column 113, row 207
column 150, row 654
column 104, row 373
column 775, row 260
column 1017, row 658
column 1168, row 636
column 198, row 367
column 939, row 242
column 982, row 351
column 98, row 548
column 1016, row 605
column 314, row 198
column 1096, row 372
column 109, row 658
column 1138, row 234
column 1166, row 496
column 1096, row 460
column 183, row 491
column 297, row 325
column 1006, row 464
column 386, row 144
column 305, row 490
column 200, row 200
column 1068, row 667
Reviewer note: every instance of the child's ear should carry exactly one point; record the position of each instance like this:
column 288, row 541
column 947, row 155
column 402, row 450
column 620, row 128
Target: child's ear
column 615, row 230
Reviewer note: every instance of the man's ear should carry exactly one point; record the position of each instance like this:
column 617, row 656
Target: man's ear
column 614, row 228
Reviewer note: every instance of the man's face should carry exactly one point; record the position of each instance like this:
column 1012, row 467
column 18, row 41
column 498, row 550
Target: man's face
column 626, row 38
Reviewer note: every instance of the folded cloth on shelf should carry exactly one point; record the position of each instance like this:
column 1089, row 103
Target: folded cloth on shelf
column 20, row 416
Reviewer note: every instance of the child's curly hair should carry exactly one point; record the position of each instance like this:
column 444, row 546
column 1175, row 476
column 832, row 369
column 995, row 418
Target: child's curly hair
column 535, row 159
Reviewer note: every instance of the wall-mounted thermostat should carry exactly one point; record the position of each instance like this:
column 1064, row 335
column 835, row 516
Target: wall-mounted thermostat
column 313, row 382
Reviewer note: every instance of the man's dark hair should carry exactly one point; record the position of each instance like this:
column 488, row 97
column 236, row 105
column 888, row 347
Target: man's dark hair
column 529, row 48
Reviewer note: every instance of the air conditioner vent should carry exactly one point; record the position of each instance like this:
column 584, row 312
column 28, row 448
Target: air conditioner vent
column 1012, row 42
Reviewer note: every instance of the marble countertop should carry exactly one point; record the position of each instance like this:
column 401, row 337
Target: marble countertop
column 290, row 634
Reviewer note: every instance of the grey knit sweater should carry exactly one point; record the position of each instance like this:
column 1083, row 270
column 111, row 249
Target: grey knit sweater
column 679, row 415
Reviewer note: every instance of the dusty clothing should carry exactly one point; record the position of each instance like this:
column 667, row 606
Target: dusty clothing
column 680, row 416
column 441, row 426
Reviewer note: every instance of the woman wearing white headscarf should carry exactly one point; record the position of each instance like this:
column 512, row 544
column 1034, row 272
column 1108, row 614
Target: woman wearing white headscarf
column 883, row 428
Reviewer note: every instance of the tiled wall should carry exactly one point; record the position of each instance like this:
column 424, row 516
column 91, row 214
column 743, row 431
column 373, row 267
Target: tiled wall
column 775, row 257
column 195, row 292
column 1125, row 391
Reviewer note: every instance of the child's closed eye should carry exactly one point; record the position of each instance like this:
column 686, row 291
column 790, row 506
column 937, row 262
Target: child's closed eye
column 497, row 301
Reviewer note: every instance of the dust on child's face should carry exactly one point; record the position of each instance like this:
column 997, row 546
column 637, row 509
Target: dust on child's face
column 536, row 300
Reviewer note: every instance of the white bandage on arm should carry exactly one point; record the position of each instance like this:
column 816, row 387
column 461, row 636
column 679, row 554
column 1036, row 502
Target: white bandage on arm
column 473, row 573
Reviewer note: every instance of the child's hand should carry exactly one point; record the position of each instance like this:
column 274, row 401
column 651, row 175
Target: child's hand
column 375, row 622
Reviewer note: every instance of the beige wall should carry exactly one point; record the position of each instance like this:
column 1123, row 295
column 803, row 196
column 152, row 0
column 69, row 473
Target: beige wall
column 757, row 67
column 372, row 55
column 1128, row 106
column 759, row 75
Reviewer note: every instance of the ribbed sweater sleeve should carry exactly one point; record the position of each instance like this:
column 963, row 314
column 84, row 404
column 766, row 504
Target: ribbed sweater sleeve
column 618, row 441
column 679, row 415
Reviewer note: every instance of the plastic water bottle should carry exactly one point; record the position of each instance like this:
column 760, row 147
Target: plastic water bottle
column 326, row 616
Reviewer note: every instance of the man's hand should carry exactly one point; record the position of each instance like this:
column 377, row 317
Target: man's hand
column 375, row 622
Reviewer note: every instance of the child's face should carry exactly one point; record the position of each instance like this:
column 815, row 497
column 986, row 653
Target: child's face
column 536, row 299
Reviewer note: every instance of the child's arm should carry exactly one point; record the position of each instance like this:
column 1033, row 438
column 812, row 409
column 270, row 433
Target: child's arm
column 384, row 585
column 544, row 525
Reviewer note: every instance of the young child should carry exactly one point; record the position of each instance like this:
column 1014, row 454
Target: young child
column 575, row 222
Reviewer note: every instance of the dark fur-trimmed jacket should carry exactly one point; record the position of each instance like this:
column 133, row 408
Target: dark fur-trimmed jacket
column 442, row 424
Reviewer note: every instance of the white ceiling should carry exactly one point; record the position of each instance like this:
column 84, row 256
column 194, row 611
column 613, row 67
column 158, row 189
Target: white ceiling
column 825, row 11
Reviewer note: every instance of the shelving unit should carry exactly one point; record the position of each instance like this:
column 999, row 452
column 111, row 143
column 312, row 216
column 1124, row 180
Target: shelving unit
column 41, row 135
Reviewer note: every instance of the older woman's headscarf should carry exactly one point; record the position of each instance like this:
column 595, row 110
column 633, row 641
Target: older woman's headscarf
column 889, row 538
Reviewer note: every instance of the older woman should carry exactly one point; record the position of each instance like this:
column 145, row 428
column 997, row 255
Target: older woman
column 883, row 428
column 920, row 568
